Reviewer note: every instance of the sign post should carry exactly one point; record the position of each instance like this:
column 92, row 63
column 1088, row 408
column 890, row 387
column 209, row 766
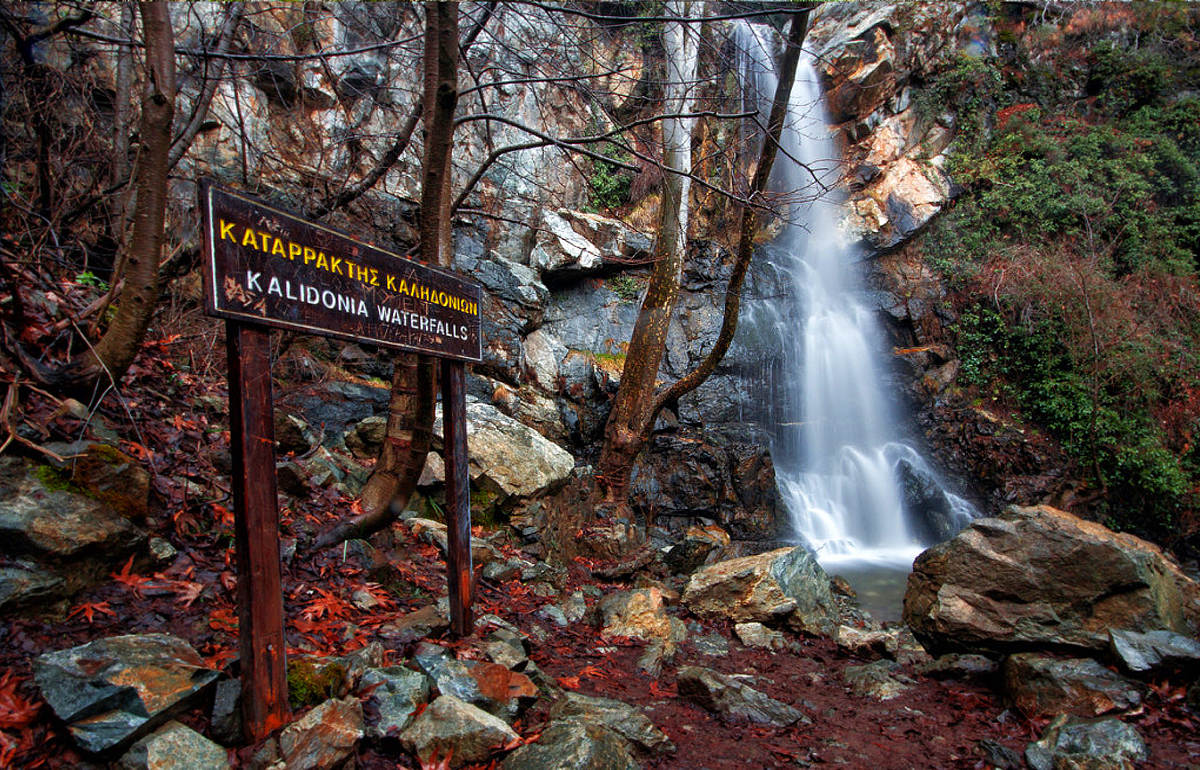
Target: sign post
column 267, row 268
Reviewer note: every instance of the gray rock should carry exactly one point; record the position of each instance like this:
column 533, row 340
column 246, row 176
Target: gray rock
column 396, row 695
column 782, row 585
column 161, row 551
column 450, row 727
column 999, row 756
column 575, row 744
column 112, row 691
column 1094, row 744
column 324, row 737
column 225, row 724
column 57, row 523
column 713, row 645
column 641, row 614
column 881, row 680
column 1153, row 650
column 366, row 436
column 754, row 634
column 450, row 676
column 958, row 666
column 733, row 699
column 415, row 625
column 292, row 434
column 1040, row 685
column 867, row 643
column 175, row 747
column 515, row 459
column 627, row 721
column 23, row 583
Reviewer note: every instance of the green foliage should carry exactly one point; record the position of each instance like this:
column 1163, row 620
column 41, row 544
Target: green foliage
column 1126, row 78
column 609, row 183
column 88, row 278
column 1130, row 190
column 972, row 90
column 625, row 286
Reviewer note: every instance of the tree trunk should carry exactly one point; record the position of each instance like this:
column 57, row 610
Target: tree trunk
column 748, row 218
column 115, row 351
column 637, row 405
column 630, row 420
column 414, row 383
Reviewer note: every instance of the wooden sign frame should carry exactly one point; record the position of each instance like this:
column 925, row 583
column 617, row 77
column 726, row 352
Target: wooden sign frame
column 440, row 316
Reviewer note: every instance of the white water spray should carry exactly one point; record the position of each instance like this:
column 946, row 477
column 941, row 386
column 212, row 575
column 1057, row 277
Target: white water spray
column 836, row 449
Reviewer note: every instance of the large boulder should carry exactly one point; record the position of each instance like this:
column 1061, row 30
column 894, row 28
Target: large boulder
column 782, row 586
column 1041, row 577
column 510, row 459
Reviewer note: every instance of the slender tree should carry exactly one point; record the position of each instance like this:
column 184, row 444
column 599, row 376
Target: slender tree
column 414, row 379
column 628, row 423
column 637, row 402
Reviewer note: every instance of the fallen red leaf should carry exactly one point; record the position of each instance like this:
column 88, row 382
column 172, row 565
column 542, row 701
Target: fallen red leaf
column 89, row 609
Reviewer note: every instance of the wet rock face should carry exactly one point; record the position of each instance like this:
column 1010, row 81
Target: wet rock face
column 1042, row 577
column 692, row 477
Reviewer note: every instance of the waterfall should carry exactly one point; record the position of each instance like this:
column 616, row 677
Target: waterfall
column 836, row 449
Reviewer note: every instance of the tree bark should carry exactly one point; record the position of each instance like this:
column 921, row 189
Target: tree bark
column 748, row 218
column 115, row 351
column 630, row 421
column 637, row 405
column 414, row 383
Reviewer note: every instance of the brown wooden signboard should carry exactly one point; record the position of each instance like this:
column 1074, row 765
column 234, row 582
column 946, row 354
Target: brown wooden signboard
column 267, row 268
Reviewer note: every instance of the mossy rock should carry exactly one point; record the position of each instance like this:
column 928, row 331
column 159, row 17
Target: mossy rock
column 313, row 680
column 111, row 476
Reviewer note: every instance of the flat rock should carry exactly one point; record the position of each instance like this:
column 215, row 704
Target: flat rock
column 1044, row 686
column 880, row 680
column 112, row 691
column 574, row 744
column 867, row 643
column 24, row 583
column 958, row 666
column 782, row 585
column 1043, row 577
column 55, row 522
column 175, row 747
column 1070, row 743
column 415, row 625
column 1153, row 650
column 733, row 699
column 324, row 737
column 627, row 721
column 754, row 634
column 449, row 727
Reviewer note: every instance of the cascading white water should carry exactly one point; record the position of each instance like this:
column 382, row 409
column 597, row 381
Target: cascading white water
column 836, row 448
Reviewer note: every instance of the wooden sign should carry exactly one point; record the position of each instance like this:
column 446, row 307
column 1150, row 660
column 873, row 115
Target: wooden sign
column 266, row 266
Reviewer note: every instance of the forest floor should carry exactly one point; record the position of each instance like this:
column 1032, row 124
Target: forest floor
column 935, row 723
